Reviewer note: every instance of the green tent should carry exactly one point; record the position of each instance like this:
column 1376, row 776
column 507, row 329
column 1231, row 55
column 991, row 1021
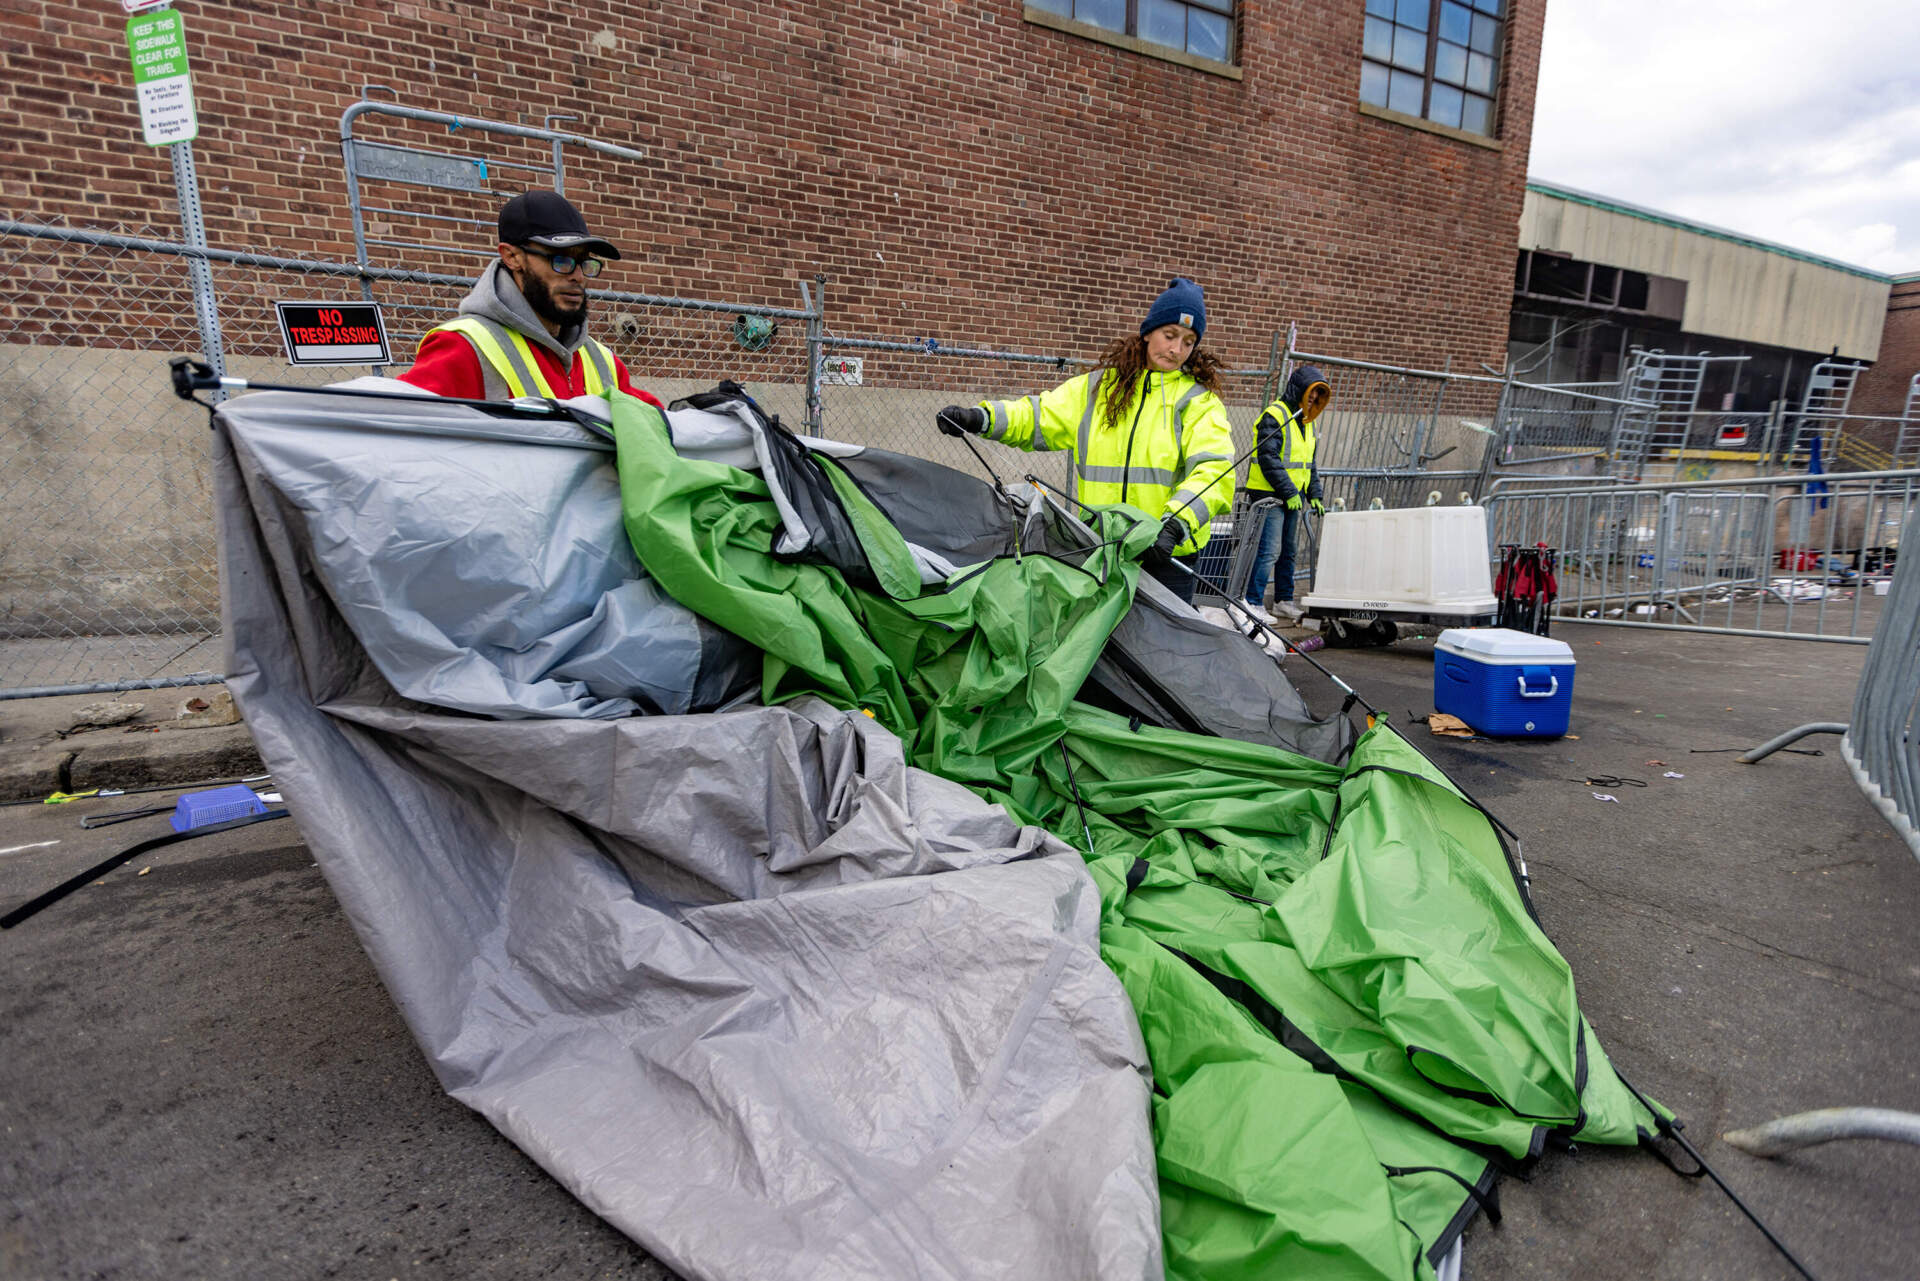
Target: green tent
column 1355, row 1022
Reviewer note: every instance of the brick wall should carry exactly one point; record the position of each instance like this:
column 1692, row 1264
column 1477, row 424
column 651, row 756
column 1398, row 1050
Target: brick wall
column 954, row 169
column 1882, row 390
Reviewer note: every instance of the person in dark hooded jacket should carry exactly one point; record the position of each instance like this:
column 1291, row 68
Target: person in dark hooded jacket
column 1285, row 469
column 522, row 330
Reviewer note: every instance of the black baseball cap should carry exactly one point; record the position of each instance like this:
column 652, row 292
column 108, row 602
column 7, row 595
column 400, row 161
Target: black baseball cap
column 548, row 219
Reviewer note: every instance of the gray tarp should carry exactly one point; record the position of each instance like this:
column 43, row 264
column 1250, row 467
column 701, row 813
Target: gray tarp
column 767, row 999
column 481, row 561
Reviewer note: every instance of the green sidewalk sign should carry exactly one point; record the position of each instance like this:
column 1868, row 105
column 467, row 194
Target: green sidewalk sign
column 158, row 42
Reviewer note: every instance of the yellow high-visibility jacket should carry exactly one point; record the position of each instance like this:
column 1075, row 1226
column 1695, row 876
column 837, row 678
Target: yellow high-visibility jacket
column 1284, row 443
column 1171, row 453
column 508, row 353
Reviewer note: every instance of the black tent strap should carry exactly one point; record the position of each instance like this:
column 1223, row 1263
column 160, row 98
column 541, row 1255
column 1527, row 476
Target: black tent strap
column 1297, row 1042
column 33, row 906
column 1489, row 1199
column 1651, row 1144
column 1797, row 751
column 1486, row 1098
column 1487, row 1183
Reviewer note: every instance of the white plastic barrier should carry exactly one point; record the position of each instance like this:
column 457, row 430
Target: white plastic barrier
column 1413, row 559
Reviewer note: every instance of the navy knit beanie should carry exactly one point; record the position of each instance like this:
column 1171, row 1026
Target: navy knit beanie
column 1181, row 304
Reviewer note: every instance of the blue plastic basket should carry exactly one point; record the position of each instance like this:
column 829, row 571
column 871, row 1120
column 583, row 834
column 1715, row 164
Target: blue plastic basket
column 215, row 805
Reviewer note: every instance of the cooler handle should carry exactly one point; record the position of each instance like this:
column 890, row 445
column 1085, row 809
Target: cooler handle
column 1553, row 683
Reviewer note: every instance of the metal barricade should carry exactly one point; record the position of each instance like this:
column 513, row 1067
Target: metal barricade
column 1881, row 745
column 1791, row 556
column 1906, row 441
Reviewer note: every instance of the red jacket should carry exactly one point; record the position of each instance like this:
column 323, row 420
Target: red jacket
column 449, row 366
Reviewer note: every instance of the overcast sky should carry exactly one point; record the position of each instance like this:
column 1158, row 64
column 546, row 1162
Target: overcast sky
column 1795, row 122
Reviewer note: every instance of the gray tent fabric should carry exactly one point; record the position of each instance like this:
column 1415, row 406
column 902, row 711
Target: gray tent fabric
column 1246, row 697
column 767, row 999
column 460, row 548
column 811, row 518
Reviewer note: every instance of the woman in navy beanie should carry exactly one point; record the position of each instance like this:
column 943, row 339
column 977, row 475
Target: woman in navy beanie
column 1146, row 425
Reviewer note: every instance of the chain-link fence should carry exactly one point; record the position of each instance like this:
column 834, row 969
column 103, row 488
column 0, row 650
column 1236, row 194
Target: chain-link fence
column 108, row 576
column 107, row 564
column 109, row 580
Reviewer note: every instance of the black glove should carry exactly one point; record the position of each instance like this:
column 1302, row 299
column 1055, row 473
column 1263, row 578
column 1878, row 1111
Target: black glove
column 1172, row 533
column 958, row 420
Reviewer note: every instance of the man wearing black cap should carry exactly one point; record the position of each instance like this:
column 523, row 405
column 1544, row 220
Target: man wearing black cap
column 522, row 331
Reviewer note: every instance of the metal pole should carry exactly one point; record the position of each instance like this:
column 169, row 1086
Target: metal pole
column 1772, row 438
column 354, row 210
column 193, row 233
column 1269, row 387
column 816, row 362
column 559, row 162
column 1490, row 450
column 1424, row 429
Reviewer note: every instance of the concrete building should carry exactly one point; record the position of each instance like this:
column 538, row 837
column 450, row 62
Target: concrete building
column 1597, row 277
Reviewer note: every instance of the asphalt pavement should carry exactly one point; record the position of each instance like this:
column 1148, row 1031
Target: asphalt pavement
column 1742, row 940
column 201, row 1076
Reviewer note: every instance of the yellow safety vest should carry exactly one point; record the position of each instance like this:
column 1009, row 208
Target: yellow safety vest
column 1296, row 450
column 509, row 354
column 1172, row 453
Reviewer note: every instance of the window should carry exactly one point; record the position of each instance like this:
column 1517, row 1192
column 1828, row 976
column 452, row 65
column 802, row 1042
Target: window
column 1543, row 274
column 1203, row 28
column 1436, row 59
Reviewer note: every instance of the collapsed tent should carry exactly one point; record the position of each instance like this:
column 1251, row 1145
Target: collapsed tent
column 856, row 869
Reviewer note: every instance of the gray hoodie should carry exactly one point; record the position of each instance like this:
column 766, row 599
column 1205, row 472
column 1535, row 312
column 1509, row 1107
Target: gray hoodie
column 495, row 297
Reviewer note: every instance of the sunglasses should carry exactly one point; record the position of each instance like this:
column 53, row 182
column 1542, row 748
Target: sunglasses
column 563, row 264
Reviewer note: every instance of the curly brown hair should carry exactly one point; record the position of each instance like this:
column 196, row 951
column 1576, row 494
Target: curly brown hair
column 1127, row 357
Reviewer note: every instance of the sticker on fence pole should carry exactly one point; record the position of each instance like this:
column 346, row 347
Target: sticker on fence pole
column 333, row 333
column 158, row 43
column 842, row 371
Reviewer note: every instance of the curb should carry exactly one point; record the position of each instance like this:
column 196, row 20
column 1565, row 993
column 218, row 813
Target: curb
column 35, row 761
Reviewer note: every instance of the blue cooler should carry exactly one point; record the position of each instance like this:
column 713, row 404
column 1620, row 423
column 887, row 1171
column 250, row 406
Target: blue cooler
column 1502, row 682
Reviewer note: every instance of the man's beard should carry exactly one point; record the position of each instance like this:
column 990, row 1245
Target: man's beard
column 538, row 298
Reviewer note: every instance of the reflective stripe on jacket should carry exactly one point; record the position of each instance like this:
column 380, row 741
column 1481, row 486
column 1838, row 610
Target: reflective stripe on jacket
column 1285, row 446
column 507, row 352
column 1172, row 445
